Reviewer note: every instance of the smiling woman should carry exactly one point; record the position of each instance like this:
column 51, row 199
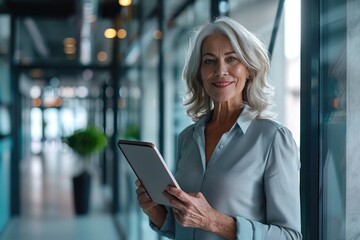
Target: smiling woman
column 234, row 137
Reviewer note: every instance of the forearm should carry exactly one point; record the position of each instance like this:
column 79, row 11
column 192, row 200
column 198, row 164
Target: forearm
column 222, row 225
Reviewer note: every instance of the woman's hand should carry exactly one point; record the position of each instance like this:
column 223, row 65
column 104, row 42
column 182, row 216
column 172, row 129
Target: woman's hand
column 193, row 210
column 156, row 212
column 143, row 198
column 190, row 209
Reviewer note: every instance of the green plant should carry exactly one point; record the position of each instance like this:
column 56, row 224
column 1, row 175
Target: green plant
column 131, row 132
column 87, row 141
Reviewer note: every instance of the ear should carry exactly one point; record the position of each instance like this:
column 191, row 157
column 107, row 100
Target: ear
column 248, row 76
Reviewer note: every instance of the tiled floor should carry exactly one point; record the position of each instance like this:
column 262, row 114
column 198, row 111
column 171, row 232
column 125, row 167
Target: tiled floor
column 47, row 208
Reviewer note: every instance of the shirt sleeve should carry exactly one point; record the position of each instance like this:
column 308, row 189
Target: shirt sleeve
column 281, row 186
column 168, row 228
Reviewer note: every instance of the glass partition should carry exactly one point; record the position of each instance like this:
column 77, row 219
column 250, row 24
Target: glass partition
column 339, row 118
column 330, row 114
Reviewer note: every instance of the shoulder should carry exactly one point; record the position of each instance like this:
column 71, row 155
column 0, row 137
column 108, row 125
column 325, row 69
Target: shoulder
column 186, row 133
column 272, row 129
column 268, row 125
column 196, row 126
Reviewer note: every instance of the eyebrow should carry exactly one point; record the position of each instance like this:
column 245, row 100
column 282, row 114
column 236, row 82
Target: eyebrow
column 211, row 54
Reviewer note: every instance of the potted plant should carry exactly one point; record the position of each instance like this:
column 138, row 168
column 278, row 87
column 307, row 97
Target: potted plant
column 84, row 143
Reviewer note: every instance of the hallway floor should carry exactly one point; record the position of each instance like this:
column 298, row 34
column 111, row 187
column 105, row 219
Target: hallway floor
column 47, row 207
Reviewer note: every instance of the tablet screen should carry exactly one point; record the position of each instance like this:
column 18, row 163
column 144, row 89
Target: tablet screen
column 150, row 168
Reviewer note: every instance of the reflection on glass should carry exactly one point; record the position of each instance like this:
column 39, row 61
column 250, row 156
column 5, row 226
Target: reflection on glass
column 334, row 123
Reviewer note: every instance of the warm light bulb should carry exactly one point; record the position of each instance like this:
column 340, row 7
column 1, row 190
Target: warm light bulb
column 110, row 33
column 125, row 3
column 121, row 33
column 102, row 56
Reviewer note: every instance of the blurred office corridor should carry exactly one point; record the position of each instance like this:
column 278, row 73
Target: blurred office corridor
column 47, row 204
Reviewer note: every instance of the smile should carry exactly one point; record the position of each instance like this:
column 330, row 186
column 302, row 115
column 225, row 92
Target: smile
column 221, row 84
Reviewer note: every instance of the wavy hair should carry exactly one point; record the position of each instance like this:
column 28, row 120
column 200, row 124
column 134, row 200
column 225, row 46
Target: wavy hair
column 251, row 52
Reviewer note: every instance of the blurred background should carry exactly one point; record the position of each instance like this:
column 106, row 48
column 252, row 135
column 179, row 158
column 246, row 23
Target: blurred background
column 116, row 66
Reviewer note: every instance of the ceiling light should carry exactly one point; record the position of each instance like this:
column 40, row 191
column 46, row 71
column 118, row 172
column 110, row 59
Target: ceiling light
column 125, row 3
column 110, row 33
column 121, row 33
column 70, row 49
column 35, row 92
column 102, row 56
column 36, row 73
column 69, row 41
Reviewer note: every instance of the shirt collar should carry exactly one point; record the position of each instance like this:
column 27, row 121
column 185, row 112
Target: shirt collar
column 245, row 118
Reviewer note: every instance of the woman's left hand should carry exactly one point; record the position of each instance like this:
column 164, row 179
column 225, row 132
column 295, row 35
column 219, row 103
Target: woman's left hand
column 190, row 209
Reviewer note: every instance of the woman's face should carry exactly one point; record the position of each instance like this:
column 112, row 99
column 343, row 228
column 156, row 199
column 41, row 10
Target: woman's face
column 222, row 73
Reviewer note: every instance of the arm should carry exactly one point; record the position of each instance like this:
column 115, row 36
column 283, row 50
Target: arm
column 281, row 186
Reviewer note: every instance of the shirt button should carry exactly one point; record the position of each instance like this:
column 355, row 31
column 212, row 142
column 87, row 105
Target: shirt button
column 221, row 146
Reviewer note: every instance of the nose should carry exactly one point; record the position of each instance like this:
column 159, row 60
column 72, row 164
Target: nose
column 221, row 69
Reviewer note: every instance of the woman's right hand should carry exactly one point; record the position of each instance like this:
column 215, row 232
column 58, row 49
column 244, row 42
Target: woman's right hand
column 143, row 198
column 156, row 212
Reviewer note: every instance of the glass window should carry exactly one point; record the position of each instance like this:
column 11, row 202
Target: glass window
column 340, row 119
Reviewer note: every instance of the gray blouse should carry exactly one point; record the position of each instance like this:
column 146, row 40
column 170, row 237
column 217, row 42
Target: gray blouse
column 252, row 175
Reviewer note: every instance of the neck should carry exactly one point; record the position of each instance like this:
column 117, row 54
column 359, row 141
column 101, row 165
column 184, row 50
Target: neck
column 224, row 112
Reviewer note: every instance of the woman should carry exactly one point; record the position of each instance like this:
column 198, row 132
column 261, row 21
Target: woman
column 237, row 168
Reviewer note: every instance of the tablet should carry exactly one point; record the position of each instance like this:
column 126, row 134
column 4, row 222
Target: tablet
column 150, row 168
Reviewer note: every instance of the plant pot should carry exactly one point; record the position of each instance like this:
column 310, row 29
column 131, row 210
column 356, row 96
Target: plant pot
column 81, row 193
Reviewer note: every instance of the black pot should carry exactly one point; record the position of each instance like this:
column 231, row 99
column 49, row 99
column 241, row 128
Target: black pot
column 81, row 192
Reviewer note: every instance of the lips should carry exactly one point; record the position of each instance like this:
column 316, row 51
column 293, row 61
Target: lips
column 221, row 84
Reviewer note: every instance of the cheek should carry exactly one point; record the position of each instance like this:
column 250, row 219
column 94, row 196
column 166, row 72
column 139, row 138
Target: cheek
column 203, row 73
column 240, row 73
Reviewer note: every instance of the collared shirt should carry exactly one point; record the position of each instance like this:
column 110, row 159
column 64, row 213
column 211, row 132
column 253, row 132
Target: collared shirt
column 252, row 175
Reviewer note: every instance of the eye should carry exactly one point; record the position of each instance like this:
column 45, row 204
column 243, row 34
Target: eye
column 231, row 59
column 208, row 61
